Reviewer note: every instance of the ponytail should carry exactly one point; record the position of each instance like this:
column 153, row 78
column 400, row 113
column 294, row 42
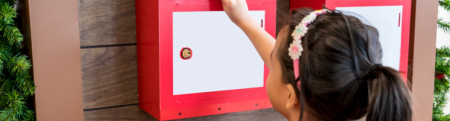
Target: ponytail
column 389, row 98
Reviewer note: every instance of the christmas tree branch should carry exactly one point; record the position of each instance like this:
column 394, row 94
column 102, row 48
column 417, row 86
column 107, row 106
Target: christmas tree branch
column 27, row 86
column 445, row 4
column 2, row 87
column 16, row 82
column 4, row 114
column 445, row 26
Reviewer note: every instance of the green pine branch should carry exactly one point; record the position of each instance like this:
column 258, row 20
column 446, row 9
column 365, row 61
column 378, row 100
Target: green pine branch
column 26, row 85
column 19, row 65
column 5, row 89
column 9, row 2
column 6, row 113
column 445, row 26
column 16, row 103
column 440, row 100
column 441, row 86
column 16, row 84
column 443, row 52
column 8, row 13
column 445, row 4
column 442, row 64
column 2, row 86
column 13, row 34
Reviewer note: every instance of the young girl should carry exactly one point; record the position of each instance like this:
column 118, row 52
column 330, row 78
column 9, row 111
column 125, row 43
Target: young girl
column 326, row 66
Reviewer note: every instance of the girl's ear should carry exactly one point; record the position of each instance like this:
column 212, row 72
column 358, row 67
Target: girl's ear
column 292, row 101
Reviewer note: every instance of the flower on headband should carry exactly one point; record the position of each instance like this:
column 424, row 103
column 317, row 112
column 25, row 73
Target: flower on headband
column 310, row 18
column 295, row 50
column 299, row 32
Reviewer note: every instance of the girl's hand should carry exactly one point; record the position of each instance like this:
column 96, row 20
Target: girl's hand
column 236, row 10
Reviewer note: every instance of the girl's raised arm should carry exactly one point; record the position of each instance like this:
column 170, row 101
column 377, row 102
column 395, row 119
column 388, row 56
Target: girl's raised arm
column 264, row 43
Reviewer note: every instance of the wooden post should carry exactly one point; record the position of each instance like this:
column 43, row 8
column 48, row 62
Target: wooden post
column 422, row 56
column 51, row 31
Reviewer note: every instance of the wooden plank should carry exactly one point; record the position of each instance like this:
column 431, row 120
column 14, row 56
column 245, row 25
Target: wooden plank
column 136, row 114
column 126, row 113
column 423, row 52
column 109, row 76
column 51, row 31
column 106, row 22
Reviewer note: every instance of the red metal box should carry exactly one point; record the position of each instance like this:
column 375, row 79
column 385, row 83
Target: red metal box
column 193, row 61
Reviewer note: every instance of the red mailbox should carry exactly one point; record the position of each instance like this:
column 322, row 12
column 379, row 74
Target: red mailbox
column 390, row 17
column 224, row 75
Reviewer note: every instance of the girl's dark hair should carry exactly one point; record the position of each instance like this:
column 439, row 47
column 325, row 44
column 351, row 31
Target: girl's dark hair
column 340, row 72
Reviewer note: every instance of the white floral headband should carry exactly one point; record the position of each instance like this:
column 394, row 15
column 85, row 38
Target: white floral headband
column 296, row 49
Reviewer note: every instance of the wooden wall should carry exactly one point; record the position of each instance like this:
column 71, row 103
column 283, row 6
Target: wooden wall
column 109, row 70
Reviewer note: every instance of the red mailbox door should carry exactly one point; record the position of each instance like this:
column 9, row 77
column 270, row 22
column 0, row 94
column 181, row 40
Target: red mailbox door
column 224, row 75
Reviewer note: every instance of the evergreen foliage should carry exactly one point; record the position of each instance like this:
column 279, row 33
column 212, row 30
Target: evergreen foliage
column 442, row 71
column 443, row 24
column 445, row 4
column 441, row 84
column 16, row 84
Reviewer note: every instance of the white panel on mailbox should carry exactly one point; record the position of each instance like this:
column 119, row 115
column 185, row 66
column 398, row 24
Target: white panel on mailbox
column 386, row 19
column 223, row 58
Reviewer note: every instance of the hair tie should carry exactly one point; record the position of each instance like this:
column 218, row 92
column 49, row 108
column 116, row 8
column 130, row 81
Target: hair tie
column 371, row 75
column 375, row 67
